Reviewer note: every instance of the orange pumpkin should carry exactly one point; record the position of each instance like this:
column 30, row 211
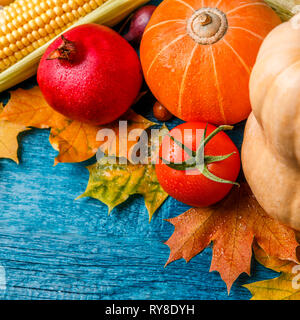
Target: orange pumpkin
column 197, row 56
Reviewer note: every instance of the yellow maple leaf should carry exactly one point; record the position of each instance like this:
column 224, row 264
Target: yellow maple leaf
column 75, row 141
column 122, row 181
column 284, row 287
column 9, row 138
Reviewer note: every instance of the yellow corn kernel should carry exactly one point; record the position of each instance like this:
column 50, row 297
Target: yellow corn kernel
column 2, row 65
column 12, row 59
column 7, row 52
column 25, row 41
column 18, row 55
column 20, row 45
column 25, row 25
column 3, row 42
column 6, row 61
column 35, row 45
column 24, row 52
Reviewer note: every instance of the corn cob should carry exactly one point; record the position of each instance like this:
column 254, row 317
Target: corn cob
column 27, row 25
column 27, row 28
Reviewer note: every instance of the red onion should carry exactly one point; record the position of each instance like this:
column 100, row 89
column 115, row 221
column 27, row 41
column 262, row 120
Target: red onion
column 138, row 24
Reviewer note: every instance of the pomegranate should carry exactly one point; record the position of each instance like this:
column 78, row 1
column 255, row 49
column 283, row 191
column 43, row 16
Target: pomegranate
column 90, row 74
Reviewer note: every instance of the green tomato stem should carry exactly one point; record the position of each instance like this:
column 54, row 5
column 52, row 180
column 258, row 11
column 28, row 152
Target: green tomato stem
column 197, row 158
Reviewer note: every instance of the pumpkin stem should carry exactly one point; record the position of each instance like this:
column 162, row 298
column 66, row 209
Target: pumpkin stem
column 207, row 25
column 197, row 158
column 204, row 19
column 64, row 52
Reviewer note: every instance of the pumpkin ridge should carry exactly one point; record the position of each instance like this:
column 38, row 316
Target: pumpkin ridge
column 293, row 204
column 217, row 4
column 186, row 4
column 238, row 56
column 218, row 87
column 294, row 136
column 246, row 5
column 295, row 143
column 258, row 115
column 163, row 49
column 247, row 30
column 182, row 85
column 164, row 22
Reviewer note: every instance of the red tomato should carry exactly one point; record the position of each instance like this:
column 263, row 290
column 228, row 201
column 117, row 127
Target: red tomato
column 191, row 186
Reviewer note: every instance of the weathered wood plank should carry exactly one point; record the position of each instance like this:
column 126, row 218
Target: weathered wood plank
column 53, row 247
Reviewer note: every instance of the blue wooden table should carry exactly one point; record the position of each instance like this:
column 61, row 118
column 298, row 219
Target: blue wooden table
column 53, row 247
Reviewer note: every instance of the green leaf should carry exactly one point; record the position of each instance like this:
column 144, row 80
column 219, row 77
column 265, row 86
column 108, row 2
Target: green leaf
column 112, row 184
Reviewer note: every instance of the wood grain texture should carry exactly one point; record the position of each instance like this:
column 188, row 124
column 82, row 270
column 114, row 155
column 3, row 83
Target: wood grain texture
column 53, row 247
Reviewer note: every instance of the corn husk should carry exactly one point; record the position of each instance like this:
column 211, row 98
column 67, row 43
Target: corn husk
column 285, row 8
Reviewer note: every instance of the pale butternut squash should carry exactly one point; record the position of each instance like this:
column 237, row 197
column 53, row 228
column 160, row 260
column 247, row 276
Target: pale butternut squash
column 271, row 147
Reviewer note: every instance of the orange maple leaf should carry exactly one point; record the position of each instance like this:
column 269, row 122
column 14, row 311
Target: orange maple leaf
column 232, row 226
column 75, row 141
column 270, row 262
column 8, row 138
